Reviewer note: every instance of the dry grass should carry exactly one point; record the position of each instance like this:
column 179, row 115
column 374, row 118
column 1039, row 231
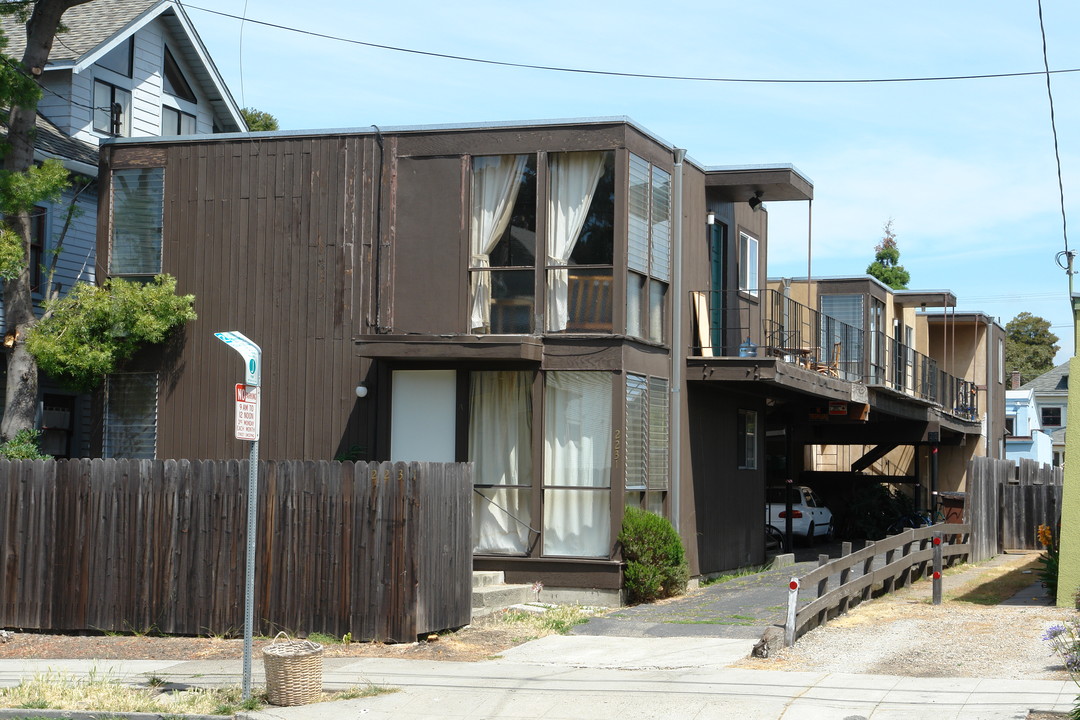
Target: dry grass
column 995, row 585
column 57, row 691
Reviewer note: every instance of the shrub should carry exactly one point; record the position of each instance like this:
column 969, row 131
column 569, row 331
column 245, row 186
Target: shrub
column 655, row 559
column 24, row 446
column 1050, row 560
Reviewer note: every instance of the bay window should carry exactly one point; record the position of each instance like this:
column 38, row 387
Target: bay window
column 503, row 244
column 500, row 446
column 577, row 464
column 580, row 241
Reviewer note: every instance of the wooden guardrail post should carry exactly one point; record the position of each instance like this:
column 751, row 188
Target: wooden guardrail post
column 792, row 606
column 823, row 588
column 937, row 567
column 868, row 567
column 845, row 576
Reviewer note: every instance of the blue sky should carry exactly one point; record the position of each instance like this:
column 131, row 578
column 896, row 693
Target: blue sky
column 965, row 168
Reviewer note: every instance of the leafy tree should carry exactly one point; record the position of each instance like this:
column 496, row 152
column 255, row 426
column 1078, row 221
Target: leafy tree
column 1030, row 347
column 22, row 184
column 136, row 314
column 258, row 120
column 886, row 266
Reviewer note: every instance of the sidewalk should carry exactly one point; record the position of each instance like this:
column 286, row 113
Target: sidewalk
column 607, row 678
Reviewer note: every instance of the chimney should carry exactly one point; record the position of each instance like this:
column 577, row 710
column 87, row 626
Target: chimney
column 1014, row 380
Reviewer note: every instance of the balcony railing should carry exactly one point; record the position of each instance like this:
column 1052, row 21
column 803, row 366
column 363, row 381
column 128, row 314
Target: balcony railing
column 766, row 323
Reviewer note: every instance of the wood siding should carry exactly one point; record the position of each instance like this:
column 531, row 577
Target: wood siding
column 382, row 550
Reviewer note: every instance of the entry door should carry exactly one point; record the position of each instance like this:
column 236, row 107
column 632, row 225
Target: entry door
column 422, row 415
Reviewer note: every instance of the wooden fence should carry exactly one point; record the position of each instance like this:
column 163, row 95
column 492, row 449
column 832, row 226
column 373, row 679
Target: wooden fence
column 1007, row 502
column 379, row 550
column 906, row 556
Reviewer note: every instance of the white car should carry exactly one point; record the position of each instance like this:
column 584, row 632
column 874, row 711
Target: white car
column 810, row 518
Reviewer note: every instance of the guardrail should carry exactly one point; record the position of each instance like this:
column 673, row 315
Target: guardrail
column 855, row 588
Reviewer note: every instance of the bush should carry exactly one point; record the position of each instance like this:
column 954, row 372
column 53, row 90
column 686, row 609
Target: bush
column 1050, row 560
column 24, row 446
column 655, row 559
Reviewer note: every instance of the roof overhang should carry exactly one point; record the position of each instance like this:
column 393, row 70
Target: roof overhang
column 924, row 298
column 773, row 182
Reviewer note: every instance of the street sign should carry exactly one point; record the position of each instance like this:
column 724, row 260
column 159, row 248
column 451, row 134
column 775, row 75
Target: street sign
column 248, row 350
column 247, row 412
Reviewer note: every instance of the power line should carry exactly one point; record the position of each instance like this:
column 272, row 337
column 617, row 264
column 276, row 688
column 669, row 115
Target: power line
column 612, row 73
column 1053, row 127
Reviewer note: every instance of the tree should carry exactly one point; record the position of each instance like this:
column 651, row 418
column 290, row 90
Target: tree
column 1030, row 347
column 258, row 120
column 886, row 266
column 22, row 184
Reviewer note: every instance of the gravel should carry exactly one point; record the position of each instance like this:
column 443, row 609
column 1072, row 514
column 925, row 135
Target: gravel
column 903, row 634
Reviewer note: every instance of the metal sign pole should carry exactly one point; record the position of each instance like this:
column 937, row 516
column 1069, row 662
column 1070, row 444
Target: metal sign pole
column 247, row 428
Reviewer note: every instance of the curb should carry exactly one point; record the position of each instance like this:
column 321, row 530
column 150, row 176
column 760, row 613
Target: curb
column 23, row 713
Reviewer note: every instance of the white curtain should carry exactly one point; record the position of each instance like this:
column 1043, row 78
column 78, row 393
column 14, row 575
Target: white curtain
column 574, row 177
column 577, row 464
column 495, row 184
column 500, row 444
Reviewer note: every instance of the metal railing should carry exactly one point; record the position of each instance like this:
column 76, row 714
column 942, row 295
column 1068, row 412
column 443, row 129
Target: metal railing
column 766, row 323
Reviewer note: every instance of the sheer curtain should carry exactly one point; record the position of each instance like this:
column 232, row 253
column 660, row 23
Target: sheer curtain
column 574, row 177
column 500, row 444
column 495, row 185
column 577, row 464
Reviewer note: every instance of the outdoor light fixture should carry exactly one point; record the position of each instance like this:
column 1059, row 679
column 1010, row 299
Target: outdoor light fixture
column 710, row 218
column 361, row 391
column 755, row 202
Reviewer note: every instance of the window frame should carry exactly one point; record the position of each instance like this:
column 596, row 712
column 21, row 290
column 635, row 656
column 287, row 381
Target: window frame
column 749, row 267
column 159, row 233
column 109, row 423
column 39, row 232
column 1051, row 412
column 647, row 280
column 747, row 448
column 173, row 75
column 179, row 121
column 117, row 127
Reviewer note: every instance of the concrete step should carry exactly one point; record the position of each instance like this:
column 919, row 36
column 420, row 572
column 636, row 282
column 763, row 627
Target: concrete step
column 483, row 578
column 489, row 598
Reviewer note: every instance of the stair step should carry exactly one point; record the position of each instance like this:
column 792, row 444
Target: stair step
column 488, row 599
column 483, row 578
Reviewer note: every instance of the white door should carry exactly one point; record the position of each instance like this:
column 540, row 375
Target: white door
column 423, row 415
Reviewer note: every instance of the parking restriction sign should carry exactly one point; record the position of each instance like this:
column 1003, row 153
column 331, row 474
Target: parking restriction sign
column 247, row 412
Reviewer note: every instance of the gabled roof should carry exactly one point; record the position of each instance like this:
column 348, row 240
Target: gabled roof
column 95, row 28
column 1056, row 380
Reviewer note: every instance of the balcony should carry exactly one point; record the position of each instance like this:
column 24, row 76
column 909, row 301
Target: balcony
column 765, row 323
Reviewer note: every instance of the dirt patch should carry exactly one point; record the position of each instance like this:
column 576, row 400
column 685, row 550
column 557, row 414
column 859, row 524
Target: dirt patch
column 485, row 638
column 903, row 634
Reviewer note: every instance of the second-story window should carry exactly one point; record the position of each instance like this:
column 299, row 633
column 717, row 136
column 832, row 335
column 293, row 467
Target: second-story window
column 38, row 218
column 503, row 244
column 748, row 264
column 648, row 249
column 1050, row 416
column 176, row 122
column 137, row 209
column 580, row 241
column 112, row 109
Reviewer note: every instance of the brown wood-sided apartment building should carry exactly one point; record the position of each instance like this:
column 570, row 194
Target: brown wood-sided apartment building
column 574, row 306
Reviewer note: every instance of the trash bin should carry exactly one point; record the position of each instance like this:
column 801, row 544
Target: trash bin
column 952, row 506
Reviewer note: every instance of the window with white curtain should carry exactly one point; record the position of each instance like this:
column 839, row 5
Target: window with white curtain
column 580, row 241
column 503, row 244
column 648, row 249
column 577, row 464
column 137, row 211
column 130, row 415
column 748, row 263
column 500, row 446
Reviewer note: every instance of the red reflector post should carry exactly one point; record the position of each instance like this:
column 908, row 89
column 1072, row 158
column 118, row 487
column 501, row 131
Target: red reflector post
column 794, row 585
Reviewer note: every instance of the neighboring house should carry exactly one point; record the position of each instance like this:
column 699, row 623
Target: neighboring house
column 573, row 306
column 1024, row 437
column 121, row 68
column 1050, row 404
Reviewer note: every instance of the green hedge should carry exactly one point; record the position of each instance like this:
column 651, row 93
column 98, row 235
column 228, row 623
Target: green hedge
column 655, row 559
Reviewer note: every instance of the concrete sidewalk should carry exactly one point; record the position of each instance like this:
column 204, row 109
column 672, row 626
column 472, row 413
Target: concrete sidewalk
column 602, row 678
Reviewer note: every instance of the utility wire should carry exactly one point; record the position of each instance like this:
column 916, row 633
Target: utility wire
column 612, row 73
column 1053, row 127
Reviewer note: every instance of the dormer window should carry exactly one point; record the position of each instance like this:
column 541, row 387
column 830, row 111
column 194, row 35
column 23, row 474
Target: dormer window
column 175, row 82
column 112, row 109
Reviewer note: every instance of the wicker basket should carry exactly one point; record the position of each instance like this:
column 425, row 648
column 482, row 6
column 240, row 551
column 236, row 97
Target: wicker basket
column 293, row 671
